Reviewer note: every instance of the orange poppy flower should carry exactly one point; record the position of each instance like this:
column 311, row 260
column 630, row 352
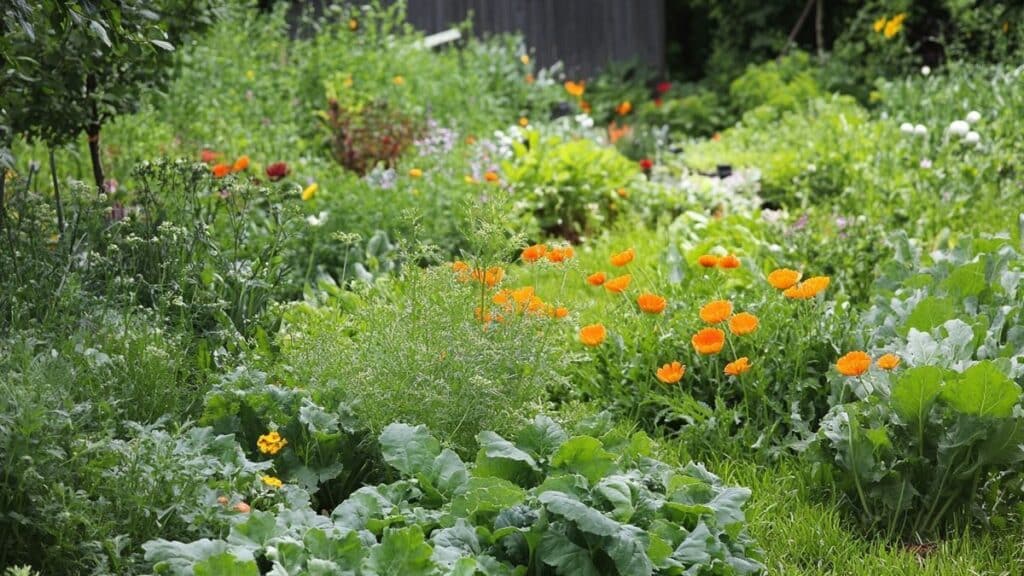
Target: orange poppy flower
column 221, row 170
column 559, row 312
column 491, row 176
column 616, row 132
column 783, row 278
column 622, row 192
column 651, row 303
column 743, row 323
column 534, row 253
column 708, row 260
column 708, row 341
column 716, row 311
column 575, row 89
column 618, row 285
column 737, row 367
column 585, row 106
column 241, row 164
column 808, row 288
column 671, row 373
column 623, row 258
column 491, row 277
column 460, row 266
column 729, row 261
column 853, row 363
column 888, row 361
column 624, row 108
column 208, row 156
column 488, row 316
column 561, row 254
column 529, row 79
column 596, row 279
column 593, row 335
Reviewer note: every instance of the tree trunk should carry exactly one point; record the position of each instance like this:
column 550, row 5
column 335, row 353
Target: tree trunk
column 92, row 130
column 94, row 154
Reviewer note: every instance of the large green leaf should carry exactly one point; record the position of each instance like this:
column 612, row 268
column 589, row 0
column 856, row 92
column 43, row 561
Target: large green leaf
column 255, row 531
column 225, row 565
column 542, row 437
column 448, row 472
column 502, row 459
column 628, row 549
column 585, row 518
column 618, row 492
column 345, row 551
column 409, row 449
column 569, row 559
column 361, row 506
column 930, row 312
column 402, row 552
column 486, row 495
column 983, row 390
column 916, row 391
column 585, row 455
column 967, row 280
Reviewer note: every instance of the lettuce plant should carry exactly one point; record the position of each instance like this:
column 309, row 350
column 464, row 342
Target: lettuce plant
column 543, row 503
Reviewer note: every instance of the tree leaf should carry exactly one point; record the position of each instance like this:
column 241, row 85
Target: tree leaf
column 409, row 449
column 163, row 45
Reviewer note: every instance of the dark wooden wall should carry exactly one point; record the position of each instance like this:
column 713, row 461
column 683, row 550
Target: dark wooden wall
column 585, row 35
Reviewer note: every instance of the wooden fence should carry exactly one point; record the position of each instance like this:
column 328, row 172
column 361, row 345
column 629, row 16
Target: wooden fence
column 585, row 35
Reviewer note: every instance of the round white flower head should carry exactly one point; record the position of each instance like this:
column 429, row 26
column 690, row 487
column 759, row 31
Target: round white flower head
column 921, row 130
column 907, row 128
column 972, row 137
column 926, row 163
column 973, row 116
column 959, row 127
column 925, row 70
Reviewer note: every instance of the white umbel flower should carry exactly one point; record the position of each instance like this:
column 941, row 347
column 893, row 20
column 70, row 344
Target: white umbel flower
column 972, row 137
column 925, row 70
column 973, row 117
column 959, row 127
column 907, row 128
column 921, row 130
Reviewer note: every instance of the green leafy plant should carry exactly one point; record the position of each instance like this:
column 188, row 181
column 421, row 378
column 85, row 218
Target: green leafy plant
column 546, row 503
column 571, row 188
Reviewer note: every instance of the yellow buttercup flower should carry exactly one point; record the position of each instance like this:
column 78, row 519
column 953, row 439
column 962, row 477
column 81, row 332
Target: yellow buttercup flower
column 271, row 443
column 272, row 481
column 310, row 191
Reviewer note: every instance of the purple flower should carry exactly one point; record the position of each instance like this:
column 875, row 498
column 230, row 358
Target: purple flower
column 800, row 223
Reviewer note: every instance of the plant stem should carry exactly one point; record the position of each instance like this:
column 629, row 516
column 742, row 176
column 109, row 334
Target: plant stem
column 56, row 194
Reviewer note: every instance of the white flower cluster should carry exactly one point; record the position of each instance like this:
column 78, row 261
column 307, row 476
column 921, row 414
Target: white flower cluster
column 962, row 128
column 918, row 130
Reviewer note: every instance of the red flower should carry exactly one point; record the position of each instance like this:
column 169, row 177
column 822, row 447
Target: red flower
column 663, row 87
column 646, row 164
column 208, row 156
column 277, row 171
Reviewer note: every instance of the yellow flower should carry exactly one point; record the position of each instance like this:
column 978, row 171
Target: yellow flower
column 524, row 121
column 353, row 24
column 272, row 481
column 250, row 75
column 310, row 191
column 415, row 173
column 525, row 59
column 893, row 27
column 879, row 24
column 271, row 443
column 399, row 81
column 575, row 88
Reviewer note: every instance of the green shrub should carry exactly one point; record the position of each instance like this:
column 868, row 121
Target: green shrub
column 570, row 187
column 776, row 86
column 594, row 503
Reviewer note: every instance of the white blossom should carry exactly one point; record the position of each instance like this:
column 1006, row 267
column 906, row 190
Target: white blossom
column 973, row 116
column 959, row 127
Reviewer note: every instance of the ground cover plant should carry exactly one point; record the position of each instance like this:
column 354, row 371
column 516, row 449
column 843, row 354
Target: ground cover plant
column 323, row 300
